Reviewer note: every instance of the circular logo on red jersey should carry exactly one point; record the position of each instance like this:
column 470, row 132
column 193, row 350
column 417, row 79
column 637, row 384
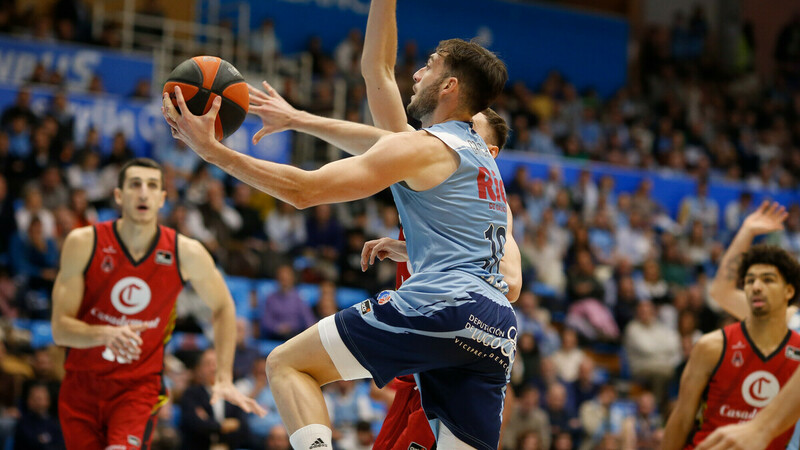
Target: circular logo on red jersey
column 759, row 388
column 130, row 295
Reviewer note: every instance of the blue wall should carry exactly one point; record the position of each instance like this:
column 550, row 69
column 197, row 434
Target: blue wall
column 591, row 50
column 668, row 189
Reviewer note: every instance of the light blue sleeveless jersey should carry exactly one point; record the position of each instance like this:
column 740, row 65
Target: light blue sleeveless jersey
column 459, row 225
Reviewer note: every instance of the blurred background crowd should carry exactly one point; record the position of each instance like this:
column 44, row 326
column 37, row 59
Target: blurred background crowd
column 615, row 281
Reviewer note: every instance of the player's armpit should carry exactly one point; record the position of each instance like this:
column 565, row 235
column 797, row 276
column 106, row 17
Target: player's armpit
column 511, row 264
column 699, row 369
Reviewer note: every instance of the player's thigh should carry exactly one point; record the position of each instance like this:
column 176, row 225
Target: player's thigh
column 132, row 419
column 79, row 415
column 304, row 353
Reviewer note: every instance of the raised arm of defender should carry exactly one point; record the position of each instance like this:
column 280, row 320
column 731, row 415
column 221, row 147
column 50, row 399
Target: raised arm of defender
column 377, row 66
column 767, row 218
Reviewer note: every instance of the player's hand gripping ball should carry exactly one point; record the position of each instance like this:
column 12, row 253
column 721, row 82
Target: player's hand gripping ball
column 202, row 79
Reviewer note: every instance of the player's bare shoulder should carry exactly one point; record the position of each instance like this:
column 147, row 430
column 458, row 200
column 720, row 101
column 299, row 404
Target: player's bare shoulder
column 193, row 258
column 709, row 347
column 78, row 249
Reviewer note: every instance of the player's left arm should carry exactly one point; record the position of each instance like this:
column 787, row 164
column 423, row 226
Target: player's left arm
column 412, row 157
column 511, row 264
column 197, row 267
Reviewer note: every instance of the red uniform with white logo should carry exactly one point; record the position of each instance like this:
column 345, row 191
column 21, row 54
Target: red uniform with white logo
column 107, row 402
column 745, row 381
column 406, row 427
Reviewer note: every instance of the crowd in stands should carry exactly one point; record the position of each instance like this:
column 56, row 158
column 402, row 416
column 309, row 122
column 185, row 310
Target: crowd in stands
column 615, row 288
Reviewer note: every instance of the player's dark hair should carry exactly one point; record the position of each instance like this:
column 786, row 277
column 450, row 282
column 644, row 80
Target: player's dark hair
column 139, row 162
column 498, row 125
column 772, row 255
column 480, row 71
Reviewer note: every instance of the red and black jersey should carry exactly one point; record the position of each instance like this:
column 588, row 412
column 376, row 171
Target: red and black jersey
column 745, row 381
column 120, row 291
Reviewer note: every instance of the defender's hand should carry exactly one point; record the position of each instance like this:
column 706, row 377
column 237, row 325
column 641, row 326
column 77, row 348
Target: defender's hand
column 767, row 218
column 274, row 111
column 383, row 248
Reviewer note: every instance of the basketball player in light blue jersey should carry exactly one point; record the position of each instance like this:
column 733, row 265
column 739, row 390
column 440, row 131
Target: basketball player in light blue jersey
column 450, row 322
column 768, row 218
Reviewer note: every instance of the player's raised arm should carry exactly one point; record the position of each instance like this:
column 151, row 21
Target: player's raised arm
column 699, row 369
column 68, row 291
column 377, row 66
column 197, row 267
column 277, row 115
column 767, row 218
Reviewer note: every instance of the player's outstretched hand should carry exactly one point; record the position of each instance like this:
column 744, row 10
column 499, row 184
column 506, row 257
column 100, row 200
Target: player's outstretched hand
column 767, row 218
column 124, row 341
column 197, row 132
column 228, row 392
column 275, row 112
column 744, row 436
column 383, row 248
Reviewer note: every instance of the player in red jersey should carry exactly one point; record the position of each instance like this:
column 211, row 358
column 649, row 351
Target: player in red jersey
column 740, row 369
column 114, row 307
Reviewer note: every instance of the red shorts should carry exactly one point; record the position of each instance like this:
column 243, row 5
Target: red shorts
column 109, row 414
column 405, row 426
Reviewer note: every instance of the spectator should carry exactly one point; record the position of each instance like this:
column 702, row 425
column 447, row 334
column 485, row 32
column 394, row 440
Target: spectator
column 245, row 354
column 264, row 44
column 595, row 416
column 561, row 419
column 585, row 387
column 37, row 429
column 652, row 286
column 285, row 228
column 569, row 357
column 202, row 423
column 88, row 176
column 326, row 304
column 284, row 313
column 33, row 207
column 84, row 213
column 737, row 210
column 700, row 208
column 19, row 137
column 179, row 158
column 635, row 241
column 653, row 350
column 348, row 404
column 362, row 439
column 54, row 193
column 325, row 233
column 20, row 108
column 256, row 385
column 582, row 283
column 35, row 260
column 527, row 416
column 213, row 222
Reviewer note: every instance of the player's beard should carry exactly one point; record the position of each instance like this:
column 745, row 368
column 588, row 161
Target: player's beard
column 425, row 101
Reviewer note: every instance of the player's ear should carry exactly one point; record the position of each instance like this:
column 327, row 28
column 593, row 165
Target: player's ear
column 163, row 198
column 790, row 291
column 494, row 150
column 450, row 84
column 118, row 196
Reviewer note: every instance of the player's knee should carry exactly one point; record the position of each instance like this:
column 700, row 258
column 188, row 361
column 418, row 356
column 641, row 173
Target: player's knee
column 277, row 361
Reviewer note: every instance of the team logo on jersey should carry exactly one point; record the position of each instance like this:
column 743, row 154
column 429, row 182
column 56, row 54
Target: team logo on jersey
column 366, row 307
column 738, row 345
column 415, row 446
column 108, row 264
column 738, row 359
column 134, row 441
column 164, row 257
column 384, row 297
column 793, row 353
column 109, row 249
column 130, row 295
column 759, row 388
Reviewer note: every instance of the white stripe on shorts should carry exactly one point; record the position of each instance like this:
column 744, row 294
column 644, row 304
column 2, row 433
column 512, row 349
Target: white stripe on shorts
column 347, row 364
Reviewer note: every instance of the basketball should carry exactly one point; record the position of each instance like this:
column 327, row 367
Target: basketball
column 202, row 79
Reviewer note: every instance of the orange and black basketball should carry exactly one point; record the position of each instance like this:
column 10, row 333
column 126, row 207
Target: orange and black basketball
column 202, row 79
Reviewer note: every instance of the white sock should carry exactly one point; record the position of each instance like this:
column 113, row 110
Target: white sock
column 312, row 437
